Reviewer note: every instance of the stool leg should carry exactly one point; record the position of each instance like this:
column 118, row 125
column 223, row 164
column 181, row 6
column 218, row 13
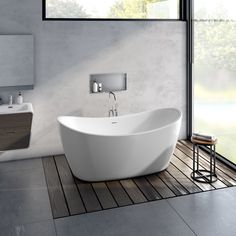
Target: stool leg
column 193, row 160
column 214, row 148
column 197, row 158
column 211, row 157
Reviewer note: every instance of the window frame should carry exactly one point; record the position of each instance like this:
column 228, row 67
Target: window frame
column 45, row 18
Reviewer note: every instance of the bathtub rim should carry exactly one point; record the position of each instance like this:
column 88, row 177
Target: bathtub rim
column 122, row 117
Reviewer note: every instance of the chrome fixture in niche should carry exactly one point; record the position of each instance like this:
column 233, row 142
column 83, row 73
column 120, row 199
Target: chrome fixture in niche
column 110, row 82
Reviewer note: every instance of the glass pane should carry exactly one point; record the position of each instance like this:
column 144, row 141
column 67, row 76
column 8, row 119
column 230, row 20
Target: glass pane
column 215, row 72
column 116, row 9
column 214, row 9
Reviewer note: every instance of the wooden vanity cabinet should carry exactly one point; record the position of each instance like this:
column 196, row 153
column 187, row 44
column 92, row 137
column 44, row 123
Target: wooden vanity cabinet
column 15, row 130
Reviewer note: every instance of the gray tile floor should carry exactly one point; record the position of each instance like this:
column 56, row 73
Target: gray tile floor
column 24, row 202
column 25, row 211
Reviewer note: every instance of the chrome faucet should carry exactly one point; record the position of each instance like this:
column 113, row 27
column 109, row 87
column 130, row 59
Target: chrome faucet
column 113, row 110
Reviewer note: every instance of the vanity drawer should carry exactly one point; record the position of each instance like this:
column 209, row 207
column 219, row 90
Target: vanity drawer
column 8, row 132
column 16, row 120
column 14, row 138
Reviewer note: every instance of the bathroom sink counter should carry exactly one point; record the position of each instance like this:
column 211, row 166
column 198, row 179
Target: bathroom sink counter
column 16, row 108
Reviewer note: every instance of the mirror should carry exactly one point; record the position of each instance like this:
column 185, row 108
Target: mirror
column 17, row 61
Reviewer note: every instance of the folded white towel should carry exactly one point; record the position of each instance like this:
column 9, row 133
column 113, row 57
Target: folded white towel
column 205, row 137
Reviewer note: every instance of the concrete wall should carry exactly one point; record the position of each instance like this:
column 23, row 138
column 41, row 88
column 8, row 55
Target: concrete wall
column 152, row 53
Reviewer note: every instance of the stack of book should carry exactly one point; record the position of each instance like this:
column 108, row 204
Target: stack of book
column 204, row 137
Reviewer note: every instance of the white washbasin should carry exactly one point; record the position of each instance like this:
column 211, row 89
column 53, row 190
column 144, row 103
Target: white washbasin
column 16, row 108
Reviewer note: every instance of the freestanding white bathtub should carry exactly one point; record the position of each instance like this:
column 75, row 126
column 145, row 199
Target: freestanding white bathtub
column 108, row 148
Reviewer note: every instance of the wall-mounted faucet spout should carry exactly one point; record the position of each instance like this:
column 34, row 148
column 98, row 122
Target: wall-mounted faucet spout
column 113, row 109
column 110, row 92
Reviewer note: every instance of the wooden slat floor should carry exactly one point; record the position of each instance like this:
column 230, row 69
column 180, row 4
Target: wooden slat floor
column 71, row 196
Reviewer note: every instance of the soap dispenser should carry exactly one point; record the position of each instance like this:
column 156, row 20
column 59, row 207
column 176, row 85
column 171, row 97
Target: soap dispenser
column 95, row 87
column 19, row 99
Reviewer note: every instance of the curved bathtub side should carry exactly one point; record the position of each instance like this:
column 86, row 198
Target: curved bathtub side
column 132, row 124
column 99, row 158
column 75, row 148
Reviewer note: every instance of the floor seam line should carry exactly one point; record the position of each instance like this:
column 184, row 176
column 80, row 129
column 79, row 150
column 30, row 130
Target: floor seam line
column 54, row 223
column 181, row 218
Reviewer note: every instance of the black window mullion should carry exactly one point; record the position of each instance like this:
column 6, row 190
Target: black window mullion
column 189, row 60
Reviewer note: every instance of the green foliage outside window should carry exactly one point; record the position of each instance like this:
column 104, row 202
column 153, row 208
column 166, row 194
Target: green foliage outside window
column 62, row 9
column 215, row 74
column 130, row 8
column 121, row 9
column 215, row 44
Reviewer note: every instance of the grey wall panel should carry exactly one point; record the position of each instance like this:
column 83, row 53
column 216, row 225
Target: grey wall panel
column 66, row 53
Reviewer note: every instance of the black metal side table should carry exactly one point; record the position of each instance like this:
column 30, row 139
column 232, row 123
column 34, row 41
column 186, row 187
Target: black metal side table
column 203, row 175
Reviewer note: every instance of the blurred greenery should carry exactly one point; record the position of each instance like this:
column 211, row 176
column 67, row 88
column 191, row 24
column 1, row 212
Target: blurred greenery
column 215, row 44
column 215, row 78
column 140, row 9
column 64, row 9
column 120, row 9
column 130, row 8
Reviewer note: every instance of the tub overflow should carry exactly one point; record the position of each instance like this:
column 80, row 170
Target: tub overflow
column 114, row 122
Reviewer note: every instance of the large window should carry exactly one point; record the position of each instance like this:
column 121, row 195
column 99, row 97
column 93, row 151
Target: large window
column 214, row 72
column 111, row 9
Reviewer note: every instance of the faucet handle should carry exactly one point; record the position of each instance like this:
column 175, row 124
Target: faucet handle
column 116, row 109
column 111, row 112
